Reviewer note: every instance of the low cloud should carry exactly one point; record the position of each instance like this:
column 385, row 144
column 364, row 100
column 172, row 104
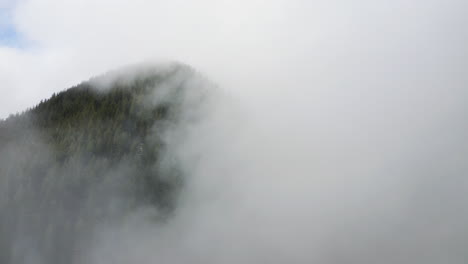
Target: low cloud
column 338, row 134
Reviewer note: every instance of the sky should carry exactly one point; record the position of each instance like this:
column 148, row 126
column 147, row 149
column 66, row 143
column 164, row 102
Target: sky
column 49, row 45
column 353, row 117
column 8, row 34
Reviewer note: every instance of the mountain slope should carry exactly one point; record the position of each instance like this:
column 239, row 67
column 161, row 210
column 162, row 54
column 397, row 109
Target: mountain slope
column 86, row 157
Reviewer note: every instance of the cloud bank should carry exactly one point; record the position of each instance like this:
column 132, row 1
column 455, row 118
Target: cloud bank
column 344, row 140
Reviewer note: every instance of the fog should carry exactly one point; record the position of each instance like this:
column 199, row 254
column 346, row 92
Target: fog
column 336, row 131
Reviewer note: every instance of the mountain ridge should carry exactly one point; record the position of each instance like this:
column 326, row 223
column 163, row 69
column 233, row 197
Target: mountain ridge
column 75, row 154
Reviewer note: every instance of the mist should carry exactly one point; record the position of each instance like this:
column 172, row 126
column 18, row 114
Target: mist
column 329, row 132
column 357, row 177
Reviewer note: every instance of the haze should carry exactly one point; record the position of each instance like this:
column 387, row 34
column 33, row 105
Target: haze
column 338, row 136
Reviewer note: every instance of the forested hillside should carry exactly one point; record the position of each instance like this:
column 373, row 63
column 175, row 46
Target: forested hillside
column 84, row 120
column 85, row 157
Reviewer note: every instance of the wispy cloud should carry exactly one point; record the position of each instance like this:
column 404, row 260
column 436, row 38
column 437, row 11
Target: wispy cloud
column 352, row 145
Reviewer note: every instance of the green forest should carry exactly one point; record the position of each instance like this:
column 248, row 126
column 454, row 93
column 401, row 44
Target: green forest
column 84, row 157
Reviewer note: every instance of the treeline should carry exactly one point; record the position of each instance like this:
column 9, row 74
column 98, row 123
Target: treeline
column 82, row 120
column 67, row 160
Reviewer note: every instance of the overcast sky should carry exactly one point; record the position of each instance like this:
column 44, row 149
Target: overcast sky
column 357, row 109
column 49, row 45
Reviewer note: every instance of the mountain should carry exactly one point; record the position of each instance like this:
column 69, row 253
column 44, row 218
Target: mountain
column 89, row 156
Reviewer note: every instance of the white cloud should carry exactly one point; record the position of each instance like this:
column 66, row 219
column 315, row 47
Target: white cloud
column 234, row 40
column 358, row 105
